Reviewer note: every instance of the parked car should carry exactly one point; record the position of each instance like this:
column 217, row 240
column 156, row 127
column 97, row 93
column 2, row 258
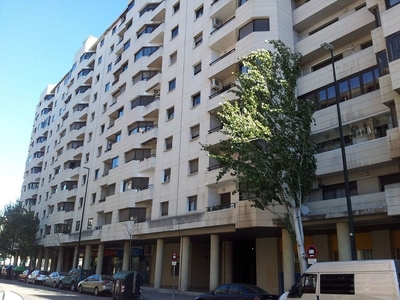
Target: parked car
column 24, row 275
column 17, row 271
column 53, row 279
column 37, row 277
column 96, row 284
column 6, row 271
column 73, row 277
column 237, row 291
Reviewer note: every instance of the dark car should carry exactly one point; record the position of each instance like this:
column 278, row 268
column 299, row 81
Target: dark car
column 237, row 291
column 73, row 277
column 24, row 275
column 6, row 272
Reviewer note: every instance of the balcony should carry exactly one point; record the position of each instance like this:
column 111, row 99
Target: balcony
column 149, row 136
column 147, row 163
column 341, row 34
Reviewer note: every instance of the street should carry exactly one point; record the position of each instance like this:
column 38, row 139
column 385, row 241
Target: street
column 36, row 292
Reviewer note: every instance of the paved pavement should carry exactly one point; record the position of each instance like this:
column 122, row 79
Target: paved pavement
column 167, row 294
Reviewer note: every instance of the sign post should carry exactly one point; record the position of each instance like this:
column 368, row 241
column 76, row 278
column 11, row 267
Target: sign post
column 174, row 258
column 312, row 254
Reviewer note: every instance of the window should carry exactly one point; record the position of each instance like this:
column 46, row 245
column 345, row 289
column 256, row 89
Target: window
column 94, row 97
column 391, row 3
column 383, row 64
column 255, row 25
column 107, row 87
column 241, row 2
column 199, row 12
column 197, row 68
column 102, row 43
column 93, row 198
column 393, row 46
column 337, row 284
column 174, row 32
column 167, row 175
column 172, row 84
column 145, row 51
column 196, row 100
column 338, row 190
column 109, row 68
column 99, row 60
column 96, row 173
column 198, row 39
column 112, row 48
column 170, row 113
column 77, row 225
column 102, row 127
column 164, row 208
column 90, row 223
column 114, row 30
column 168, row 143
column 194, row 166
column 99, row 151
column 127, row 45
column 114, row 162
column 173, row 58
column 176, row 7
column 388, row 179
column 192, row 203
column 194, row 132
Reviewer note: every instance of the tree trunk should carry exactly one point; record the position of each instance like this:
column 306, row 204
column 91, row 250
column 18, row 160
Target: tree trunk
column 298, row 229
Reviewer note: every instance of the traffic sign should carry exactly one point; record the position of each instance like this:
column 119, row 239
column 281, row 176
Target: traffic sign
column 311, row 251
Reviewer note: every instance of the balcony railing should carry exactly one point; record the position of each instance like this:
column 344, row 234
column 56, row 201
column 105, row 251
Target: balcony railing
column 223, row 24
column 222, row 57
column 220, row 207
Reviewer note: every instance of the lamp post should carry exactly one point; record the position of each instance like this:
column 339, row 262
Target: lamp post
column 81, row 224
column 330, row 48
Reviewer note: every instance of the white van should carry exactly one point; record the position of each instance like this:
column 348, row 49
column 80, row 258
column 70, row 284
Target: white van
column 356, row 280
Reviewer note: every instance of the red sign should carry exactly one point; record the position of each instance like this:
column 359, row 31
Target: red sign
column 174, row 256
column 311, row 251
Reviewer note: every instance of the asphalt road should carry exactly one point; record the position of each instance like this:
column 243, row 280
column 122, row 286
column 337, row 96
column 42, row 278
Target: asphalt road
column 27, row 291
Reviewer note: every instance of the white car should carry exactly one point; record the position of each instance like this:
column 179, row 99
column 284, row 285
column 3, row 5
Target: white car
column 37, row 277
column 96, row 284
column 53, row 278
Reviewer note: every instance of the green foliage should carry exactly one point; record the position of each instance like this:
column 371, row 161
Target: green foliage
column 267, row 144
column 18, row 230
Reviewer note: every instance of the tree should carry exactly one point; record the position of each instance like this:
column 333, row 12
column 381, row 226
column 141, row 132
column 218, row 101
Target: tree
column 267, row 145
column 18, row 230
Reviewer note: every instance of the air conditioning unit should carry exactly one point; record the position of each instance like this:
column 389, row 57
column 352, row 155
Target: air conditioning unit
column 316, row 185
column 216, row 84
column 156, row 93
column 109, row 146
column 216, row 23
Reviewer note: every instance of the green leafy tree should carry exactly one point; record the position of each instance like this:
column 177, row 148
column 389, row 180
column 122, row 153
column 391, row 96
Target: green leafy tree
column 18, row 231
column 267, row 145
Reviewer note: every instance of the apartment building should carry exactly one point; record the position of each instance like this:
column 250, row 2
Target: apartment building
column 115, row 163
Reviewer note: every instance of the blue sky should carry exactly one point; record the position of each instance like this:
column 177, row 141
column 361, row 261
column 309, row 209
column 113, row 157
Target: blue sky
column 38, row 40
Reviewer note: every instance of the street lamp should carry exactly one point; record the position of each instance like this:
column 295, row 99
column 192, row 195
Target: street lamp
column 330, row 48
column 81, row 224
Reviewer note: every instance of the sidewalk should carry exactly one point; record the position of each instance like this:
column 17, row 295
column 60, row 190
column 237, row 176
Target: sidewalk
column 150, row 293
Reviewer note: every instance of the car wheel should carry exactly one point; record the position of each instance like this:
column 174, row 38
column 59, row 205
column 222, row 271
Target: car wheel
column 54, row 284
column 33, row 282
column 60, row 285
column 44, row 282
column 73, row 286
column 96, row 291
column 80, row 289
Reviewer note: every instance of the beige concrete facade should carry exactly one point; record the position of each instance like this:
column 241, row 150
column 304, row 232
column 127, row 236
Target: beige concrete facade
column 117, row 141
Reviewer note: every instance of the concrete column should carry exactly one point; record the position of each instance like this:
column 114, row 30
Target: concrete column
column 68, row 260
column 159, row 264
column 60, row 257
column 267, row 264
column 46, row 259
column 76, row 256
column 88, row 255
column 226, row 261
column 100, row 258
column 382, row 246
column 127, row 257
column 287, row 260
column 39, row 260
column 343, row 236
column 184, row 274
column 321, row 241
column 214, row 261
column 16, row 259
